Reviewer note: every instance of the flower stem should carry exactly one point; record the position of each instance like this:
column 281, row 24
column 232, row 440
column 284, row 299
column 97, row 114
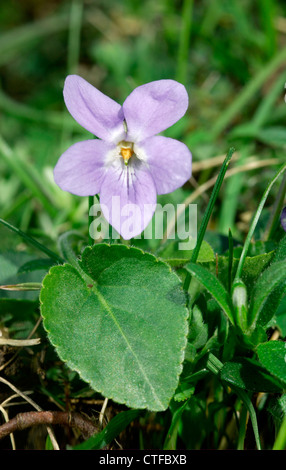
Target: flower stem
column 90, row 218
column 208, row 213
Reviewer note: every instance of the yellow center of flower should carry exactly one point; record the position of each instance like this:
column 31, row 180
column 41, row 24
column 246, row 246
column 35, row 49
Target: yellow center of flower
column 126, row 151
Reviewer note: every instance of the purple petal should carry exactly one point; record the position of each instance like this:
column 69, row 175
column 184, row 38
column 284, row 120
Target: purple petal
column 128, row 198
column 80, row 170
column 154, row 107
column 169, row 161
column 283, row 218
column 93, row 110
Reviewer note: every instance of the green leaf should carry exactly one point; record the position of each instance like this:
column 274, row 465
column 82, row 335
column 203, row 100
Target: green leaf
column 32, row 241
column 176, row 257
column 110, row 432
column 280, row 317
column 208, row 213
column 12, row 272
column 17, row 308
column 267, row 294
column 184, row 391
column 171, row 438
column 280, row 253
column 121, row 322
column 68, row 245
column 214, row 287
column 198, row 334
column 272, row 356
column 253, row 266
column 275, row 136
column 248, row 374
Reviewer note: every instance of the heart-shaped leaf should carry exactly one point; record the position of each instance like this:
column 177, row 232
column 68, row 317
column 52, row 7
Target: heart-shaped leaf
column 120, row 320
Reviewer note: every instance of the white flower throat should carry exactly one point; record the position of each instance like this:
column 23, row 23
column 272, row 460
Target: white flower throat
column 126, row 150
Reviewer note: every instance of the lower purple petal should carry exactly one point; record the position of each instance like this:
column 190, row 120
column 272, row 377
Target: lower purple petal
column 128, row 198
column 81, row 169
column 169, row 161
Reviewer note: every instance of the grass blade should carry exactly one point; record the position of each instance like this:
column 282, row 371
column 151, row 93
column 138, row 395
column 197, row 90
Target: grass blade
column 111, row 431
column 32, row 241
column 254, row 223
column 208, row 213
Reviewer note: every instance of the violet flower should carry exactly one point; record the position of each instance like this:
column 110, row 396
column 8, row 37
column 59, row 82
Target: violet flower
column 283, row 218
column 127, row 161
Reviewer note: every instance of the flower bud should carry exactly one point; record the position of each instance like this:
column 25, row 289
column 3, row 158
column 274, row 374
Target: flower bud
column 239, row 302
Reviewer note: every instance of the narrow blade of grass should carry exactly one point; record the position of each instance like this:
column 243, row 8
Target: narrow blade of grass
column 32, row 241
column 208, row 213
column 254, row 223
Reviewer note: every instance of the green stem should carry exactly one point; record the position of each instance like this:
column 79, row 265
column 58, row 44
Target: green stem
column 25, row 286
column 242, row 428
column 214, row 365
column 247, row 402
column 280, row 442
column 90, row 218
column 254, row 223
column 208, row 213
column 230, row 259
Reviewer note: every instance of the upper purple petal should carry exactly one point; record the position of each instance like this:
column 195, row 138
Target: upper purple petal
column 81, row 168
column 128, row 198
column 169, row 162
column 93, row 110
column 153, row 107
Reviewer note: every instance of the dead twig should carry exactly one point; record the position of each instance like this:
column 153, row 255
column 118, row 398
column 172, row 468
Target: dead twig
column 29, row 400
column 34, row 418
